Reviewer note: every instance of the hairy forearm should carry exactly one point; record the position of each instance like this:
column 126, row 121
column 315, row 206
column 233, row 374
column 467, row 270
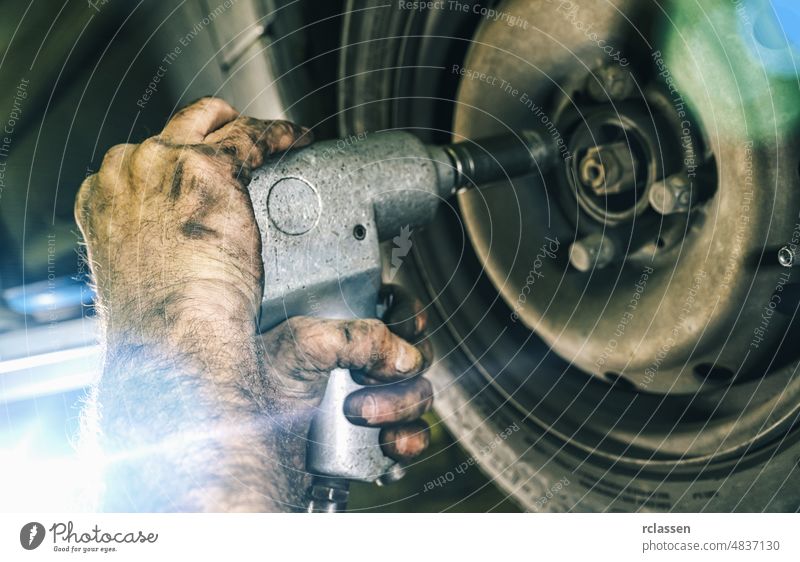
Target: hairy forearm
column 187, row 423
column 182, row 411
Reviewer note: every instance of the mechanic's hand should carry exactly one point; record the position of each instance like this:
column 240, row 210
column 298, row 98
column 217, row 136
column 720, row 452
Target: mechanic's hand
column 301, row 352
column 168, row 223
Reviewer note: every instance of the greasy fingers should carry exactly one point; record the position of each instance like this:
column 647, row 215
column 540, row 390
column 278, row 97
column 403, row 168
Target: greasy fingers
column 389, row 404
column 251, row 140
column 194, row 122
column 404, row 442
column 304, row 344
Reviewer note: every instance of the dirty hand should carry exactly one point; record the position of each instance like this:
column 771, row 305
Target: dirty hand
column 301, row 352
column 168, row 223
column 175, row 253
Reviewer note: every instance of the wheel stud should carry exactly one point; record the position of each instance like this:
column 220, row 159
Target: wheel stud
column 787, row 257
column 593, row 251
column 672, row 195
column 609, row 169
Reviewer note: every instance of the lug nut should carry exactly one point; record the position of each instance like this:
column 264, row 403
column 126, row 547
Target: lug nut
column 609, row 169
column 672, row 195
column 594, row 250
column 787, row 257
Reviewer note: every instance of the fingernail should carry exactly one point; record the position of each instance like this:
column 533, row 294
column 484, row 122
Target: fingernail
column 406, row 359
column 369, row 408
column 403, row 445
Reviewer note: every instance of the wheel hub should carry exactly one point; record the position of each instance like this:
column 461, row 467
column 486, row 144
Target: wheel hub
column 636, row 295
column 611, row 167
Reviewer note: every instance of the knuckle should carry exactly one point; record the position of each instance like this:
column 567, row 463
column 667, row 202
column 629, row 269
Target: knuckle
column 378, row 338
column 243, row 123
column 152, row 143
column 146, row 154
column 251, row 122
column 236, row 138
column 375, row 328
column 280, row 127
column 116, row 152
column 205, row 103
column 375, row 332
column 191, row 160
column 354, row 342
column 113, row 161
column 215, row 104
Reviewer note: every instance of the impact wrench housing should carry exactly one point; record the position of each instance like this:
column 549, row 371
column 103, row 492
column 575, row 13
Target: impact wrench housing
column 322, row 211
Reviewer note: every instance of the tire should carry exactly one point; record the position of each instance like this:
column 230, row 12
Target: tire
column 548, row 432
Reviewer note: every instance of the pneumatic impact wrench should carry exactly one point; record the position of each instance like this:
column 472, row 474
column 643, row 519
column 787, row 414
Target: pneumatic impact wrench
column 322, row 211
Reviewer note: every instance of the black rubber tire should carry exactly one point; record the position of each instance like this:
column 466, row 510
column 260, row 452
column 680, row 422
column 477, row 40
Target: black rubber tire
column 391, row 56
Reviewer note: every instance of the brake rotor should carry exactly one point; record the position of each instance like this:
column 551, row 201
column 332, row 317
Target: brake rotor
column 684, row 301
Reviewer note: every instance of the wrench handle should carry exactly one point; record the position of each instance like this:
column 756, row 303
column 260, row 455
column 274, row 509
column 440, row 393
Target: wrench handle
column 338, row 448
column 339, row 451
